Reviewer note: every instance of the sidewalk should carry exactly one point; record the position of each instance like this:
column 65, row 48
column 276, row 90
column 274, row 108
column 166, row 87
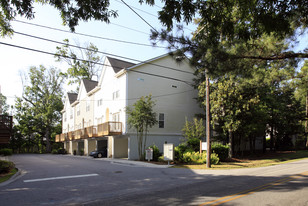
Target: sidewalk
column 126, row 162
column 133, row 163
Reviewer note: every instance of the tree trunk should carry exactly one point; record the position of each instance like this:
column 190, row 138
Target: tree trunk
column 306, row 125
column 264, row 143
column 230, row 144
column 48, row 145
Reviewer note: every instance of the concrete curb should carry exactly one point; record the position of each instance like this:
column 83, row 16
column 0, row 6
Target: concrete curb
column 16, row 176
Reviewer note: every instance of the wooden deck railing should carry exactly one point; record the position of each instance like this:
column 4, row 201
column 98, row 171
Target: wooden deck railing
column 109, row 128
column 105, row 129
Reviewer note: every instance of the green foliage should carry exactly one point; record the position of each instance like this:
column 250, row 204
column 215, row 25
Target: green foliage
column 54, row 151
column 6, row 166
column 4, row 107
column 179, row 151
column 38, row 112
column 197, row 158
column 83, row 64
column 75, row 152
column 6, row 152
column 221, row 150
column 142, row 117
column 70, row 11
column 193, row 133
column 81, row 152
column 156, row 152
column 161, row 158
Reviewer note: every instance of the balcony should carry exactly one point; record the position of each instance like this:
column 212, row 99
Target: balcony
column 92, row 131
column 81, row 134
column 71, row 135
column 105, row 129
column 61, row 137
column 109, row 129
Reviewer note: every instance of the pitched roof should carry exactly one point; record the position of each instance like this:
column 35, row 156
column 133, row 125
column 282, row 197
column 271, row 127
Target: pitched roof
column 89, row 84
column 72, row 97
column 118, row 64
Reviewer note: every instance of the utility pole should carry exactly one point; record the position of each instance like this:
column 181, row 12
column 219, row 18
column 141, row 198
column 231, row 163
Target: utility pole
column 208, row 131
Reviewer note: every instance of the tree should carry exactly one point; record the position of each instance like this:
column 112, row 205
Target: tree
column 301, row 83
column 141, row 117
column 71, row 11
column 82, row 64
column 229, row 31
column 4, row 107
column 38, row 112
column 194, row 132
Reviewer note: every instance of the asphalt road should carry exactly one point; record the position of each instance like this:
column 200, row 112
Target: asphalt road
column 74, row 180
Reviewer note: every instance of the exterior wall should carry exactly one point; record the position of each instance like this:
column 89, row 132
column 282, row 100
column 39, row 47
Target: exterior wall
column 120, row 147
column 110, row 85
column 173, row 98
column 158, row 140
column 68, row 122
column 110, row 147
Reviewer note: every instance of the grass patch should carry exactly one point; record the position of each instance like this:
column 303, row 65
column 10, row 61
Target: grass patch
column 267, row 159
column 5, row 177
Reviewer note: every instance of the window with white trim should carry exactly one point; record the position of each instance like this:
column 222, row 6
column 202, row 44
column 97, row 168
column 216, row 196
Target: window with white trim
column 115, row 95
column 88, row 106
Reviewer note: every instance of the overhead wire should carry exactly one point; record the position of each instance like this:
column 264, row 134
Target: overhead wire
column 49, row 53
column 105, row 53
column 92, row 36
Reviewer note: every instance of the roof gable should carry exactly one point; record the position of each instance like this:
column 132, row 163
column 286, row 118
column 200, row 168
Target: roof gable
column 118, row 64
column 72, row 97
column 89, row 84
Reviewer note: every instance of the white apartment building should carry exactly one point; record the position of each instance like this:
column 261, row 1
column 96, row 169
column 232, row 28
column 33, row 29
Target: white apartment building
column 96, row 118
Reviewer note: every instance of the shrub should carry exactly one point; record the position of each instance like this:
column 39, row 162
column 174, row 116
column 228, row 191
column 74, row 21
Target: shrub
column 179, row 151
column 6, row 166
column 54, row 151
column 197, row 158
column 75, row 152
column 6, row 152
column 221, row 150
column 62, row 151
column 156, row 152
column 81, row 152
column 161, row 158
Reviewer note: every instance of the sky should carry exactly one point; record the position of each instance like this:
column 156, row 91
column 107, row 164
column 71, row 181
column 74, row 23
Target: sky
column 126, row 27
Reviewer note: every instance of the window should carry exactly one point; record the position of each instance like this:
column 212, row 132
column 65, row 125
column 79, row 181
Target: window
column 78, row 110
column 88, row 106
column 99, row 102
column 71, row 114
column 64, row 114
column 161, row 120
column 116, row 95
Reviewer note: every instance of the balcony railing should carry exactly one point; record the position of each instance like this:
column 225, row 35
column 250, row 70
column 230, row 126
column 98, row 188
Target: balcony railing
column 71, row 135
column 109, row 128
column 105, row 129
column 92, row 131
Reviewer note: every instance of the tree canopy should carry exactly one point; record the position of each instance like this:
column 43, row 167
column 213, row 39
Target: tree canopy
column 38, row 112
column 142, row 117
column 83, row 62
column 71, row 11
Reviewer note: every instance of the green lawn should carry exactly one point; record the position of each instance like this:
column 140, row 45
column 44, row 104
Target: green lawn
column 270, row 158
column 5, row 177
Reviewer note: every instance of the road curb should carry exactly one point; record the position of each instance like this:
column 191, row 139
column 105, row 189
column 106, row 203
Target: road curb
column 16, row 176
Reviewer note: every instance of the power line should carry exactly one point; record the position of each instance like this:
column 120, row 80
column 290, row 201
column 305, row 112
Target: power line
column 105, row 53
column 92, row 36
column 138, row 15
column 44, row 52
